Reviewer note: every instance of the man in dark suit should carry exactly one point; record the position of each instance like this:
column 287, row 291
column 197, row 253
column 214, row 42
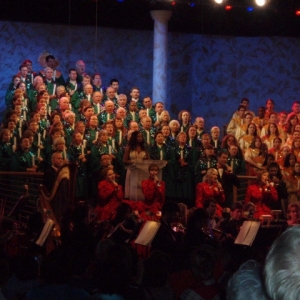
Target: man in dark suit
column 50, row 174
column 226, row 177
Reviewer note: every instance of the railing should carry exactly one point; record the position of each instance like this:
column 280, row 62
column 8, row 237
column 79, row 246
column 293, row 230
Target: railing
column 19, row 191
column 240, row 193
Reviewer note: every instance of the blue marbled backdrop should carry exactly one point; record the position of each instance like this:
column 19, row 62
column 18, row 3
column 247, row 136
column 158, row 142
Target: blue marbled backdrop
column 207, row 75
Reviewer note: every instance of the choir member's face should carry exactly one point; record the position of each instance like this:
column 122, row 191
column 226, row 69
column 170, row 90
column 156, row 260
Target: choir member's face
column 118, row 123
column 134, row 126
column 261, row 112
column 97, row 97
column 209, row 152
column 80, row 128
column 192, row 132
column 37, row 117
column 185, row 117
column 115, row 85
column 273, row 118
column 51, row 63
column 94, row 121
column 122, row 101
column 60, row 147
column 182, row 138
column 296, row 108
column 257, row 143
column 133, row 106
column 6, row 137
column 165, row 116
column 147, row 102
column 205, row 140
column 248, row 119
column 103, row 137
column 282, row 118
column 110, row 92
column 292, row 160
column 285, row 151
column 215, row 133
column 233, row 150
column 97, row 80
column 199, row 122
column 222, row 160
column 78, row 138
column 147, row 123
column 109, row 128
column 230, row 141
column 105, row 160
column 242, row 112
column 49, row 74
column 29, row 66
column 166, row 131
column 11, row 125
column 159, row 108
column 297, row 167
column 174, row 126
column 86, row 81
column 73, row 75
column 25, row 144
column 135, row 93
column 71, row 119
column 277, row 143
column 88, row 89
column 159, row 139
column 16, row 81
column 121, row 113
column 272, row 129
column 33, row 126
column 22, row 86
column 89, row 112
column 251, row 129
column 80, row 66
column 142, row 113
column 269, row 105
column 109, row 106
column 24, row 71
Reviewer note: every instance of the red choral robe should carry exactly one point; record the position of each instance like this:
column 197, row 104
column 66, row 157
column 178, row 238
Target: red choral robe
column 261, row 198
column 206, row 191
column 110, row 198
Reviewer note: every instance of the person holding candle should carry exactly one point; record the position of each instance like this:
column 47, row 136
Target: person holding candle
column 6, row 149
column 121, row 113
column 241, row 129
column 132, row 114
column 184, row 171
column 289, row 164
column 215, row 138
column 276, row 150
column 23, row 160
column 164, row 119
column 120, row 131
column 147, row 130
column 175, row 128
column 199, row 123
column 77, row 154
column 168, row 139
column 159, row 108
column 192, row 137
column 108, row 114
column 293, row 184
column 236, row 161
column 122, row 102
column 110, row 95
column 184, row 118
column 97, row 104
column 237, row 121
column 206, row 161
column 161, row 151
column 147, row 103
column 271, row 133
column 135, row 96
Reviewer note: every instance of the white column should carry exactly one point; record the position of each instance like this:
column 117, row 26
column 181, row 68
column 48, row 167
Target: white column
column 161, row 18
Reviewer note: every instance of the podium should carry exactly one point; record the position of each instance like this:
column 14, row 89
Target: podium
column 136, row 173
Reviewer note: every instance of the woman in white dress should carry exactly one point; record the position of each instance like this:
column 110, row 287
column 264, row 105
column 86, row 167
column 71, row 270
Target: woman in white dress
column 135, row 151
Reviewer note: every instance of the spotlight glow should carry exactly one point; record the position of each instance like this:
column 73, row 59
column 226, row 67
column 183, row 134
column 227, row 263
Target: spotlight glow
column 297, row 12
column 228, row 7
column 249, row 9
column 260, row 2
column 219, row 1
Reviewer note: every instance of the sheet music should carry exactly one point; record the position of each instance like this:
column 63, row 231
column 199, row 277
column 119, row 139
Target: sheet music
column 247, row 233
column 148, row 233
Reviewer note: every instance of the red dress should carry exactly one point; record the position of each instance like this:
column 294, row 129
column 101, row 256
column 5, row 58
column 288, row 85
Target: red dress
column 154, row 195
column 110, row 198
column 206, row 191
column 261, row 198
